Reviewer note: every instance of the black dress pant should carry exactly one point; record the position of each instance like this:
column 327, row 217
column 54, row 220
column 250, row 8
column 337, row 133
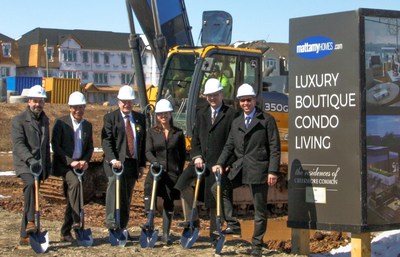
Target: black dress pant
column 29, row 201
column 127, row 183
column 72, row 195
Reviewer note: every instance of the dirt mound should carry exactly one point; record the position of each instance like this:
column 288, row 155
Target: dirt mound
column 93, row 113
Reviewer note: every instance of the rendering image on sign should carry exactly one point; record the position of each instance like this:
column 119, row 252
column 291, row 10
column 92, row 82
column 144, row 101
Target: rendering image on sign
column 382, row 80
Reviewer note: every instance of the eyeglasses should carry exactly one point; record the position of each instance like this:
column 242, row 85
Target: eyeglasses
column 246, row 100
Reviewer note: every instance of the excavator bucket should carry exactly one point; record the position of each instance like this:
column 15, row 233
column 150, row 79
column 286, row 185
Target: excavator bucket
column 217, row 28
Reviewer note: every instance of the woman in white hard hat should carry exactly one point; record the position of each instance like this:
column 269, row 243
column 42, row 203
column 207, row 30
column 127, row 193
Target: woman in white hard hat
column 165, row 146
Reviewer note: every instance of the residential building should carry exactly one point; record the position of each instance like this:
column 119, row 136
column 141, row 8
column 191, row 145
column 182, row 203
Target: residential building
column 9, row 56
column 99, row 57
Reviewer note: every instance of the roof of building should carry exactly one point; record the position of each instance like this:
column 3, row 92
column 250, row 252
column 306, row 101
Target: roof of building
column 5, row 38
column 87, row 39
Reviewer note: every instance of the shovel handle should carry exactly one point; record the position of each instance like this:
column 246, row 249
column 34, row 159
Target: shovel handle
column 200, row 172
column 79, row 173
column 36, row 174
column 218, row 179
column 155, row 174
column 117, row 172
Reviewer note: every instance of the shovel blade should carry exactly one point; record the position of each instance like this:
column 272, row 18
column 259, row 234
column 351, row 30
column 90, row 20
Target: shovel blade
column 118, row 237
column 220, row 243
column 39, row 241
column 84, row 237
column 189, row 237
column 148, row 238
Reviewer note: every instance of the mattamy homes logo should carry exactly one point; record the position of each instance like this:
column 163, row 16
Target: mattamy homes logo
column 316, row 47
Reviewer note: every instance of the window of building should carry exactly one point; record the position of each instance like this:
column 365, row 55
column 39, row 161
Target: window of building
column 144, row 59
column 106, row 58
column 85, row 57
column 271, row 63
column 96, row 57
column 123, row 59
column 5, row 72
column 85, row 76
column 6, row 48
column 70, row 74
column 69, row 55
column 100, row 78
column 125, row 78
column 50, row 54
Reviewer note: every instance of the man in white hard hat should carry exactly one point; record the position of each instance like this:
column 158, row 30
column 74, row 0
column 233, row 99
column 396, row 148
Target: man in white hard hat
column 31, row 151
column 254, row 141
column 123, row 140
column 72, row 144
column 210, row 133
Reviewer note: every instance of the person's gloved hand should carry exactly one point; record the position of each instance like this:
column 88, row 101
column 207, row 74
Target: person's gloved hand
column 156, row 166
column 35, row 165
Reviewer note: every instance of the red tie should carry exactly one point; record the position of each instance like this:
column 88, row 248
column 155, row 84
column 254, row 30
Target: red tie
column 129, row 137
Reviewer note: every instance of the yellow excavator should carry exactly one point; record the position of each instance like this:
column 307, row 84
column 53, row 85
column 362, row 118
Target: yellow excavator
column 186, row 67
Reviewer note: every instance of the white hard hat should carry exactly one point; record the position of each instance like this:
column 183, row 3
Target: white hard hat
column 245, row 90
column 212, row 86
column 76, row 98
column 163, row 106
column 126, row 93
column 37, row 91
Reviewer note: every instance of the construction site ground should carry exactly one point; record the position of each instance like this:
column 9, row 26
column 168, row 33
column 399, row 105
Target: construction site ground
column 52, row 203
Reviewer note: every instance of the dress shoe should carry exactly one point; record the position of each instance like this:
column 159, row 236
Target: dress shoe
column 30, row 227
column 256, row 251
column 232, row 231
column 24, row 241
column 112, row 226
column 66, row 238
column 76, row 226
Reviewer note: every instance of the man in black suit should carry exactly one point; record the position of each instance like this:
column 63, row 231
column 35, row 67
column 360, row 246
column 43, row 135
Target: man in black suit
column 72, row 143
column 254, row 141
column 123, row 139
column 210, row 133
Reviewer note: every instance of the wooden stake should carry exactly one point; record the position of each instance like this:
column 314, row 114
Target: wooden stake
column 300, row 241
column 360, row 244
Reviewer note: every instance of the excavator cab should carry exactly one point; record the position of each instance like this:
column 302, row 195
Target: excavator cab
column 187, row 69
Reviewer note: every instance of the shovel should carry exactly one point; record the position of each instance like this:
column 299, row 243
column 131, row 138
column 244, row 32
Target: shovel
column 149, row 236
column 83, row 236
column 118, row 237
column 39, row 240
column 221, row 238
column 190, row 234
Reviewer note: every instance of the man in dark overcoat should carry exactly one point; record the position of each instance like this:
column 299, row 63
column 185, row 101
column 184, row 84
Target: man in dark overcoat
column 210, row 133
column 254, row 141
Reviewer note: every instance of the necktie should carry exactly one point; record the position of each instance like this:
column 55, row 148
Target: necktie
column 129, row 137
column 214, row 115
column 247, row 122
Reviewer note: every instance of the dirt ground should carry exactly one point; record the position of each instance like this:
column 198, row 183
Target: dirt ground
column 11, row 205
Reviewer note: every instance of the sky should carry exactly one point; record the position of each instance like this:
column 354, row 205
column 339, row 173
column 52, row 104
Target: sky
column 252, row 19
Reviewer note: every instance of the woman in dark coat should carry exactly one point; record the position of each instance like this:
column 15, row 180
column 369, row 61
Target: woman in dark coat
column 165, row 146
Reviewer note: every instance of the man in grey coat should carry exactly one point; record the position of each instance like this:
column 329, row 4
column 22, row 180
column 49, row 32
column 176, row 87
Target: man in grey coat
column 254, row 141
column 31, row 150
